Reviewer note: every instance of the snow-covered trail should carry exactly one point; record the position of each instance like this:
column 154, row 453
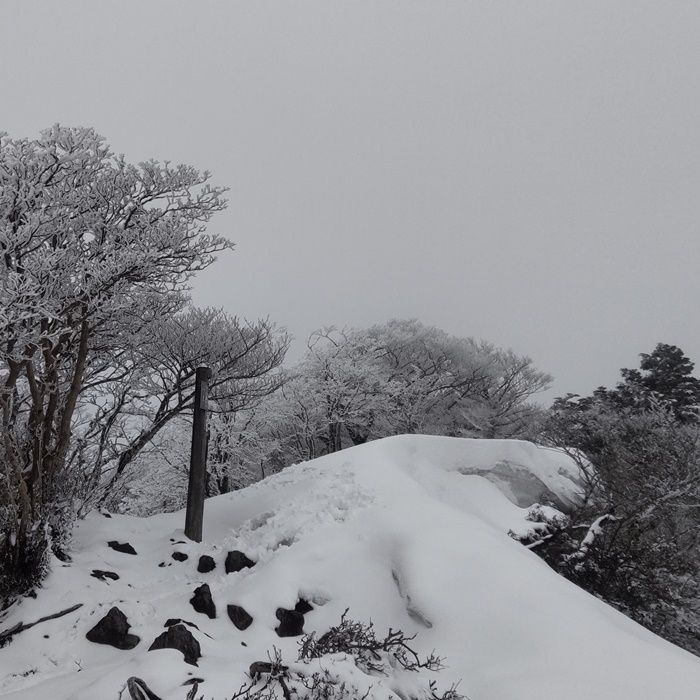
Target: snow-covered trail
column 409, row 532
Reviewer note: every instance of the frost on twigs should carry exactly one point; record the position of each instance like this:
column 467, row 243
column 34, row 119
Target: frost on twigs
column 348, row 662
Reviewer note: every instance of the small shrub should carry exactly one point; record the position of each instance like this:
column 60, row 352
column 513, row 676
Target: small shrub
column 350, row 648
column 359, row 640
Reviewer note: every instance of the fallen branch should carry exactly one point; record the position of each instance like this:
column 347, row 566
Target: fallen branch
column 20, row 626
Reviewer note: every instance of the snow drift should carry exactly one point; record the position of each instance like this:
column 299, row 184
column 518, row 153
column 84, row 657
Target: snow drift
column 408, row 532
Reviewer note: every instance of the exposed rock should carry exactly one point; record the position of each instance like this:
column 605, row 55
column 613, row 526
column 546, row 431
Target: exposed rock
column 202, row 601
column 206, row 564
column 257, row 668
column 237, row 561
column 176, row 621
column 242, row 619
column 102, row 575
column 180, row 638
column 303, row 606
column 113, row 629
column 123, row 547
column 180, row 556
column 291, row 623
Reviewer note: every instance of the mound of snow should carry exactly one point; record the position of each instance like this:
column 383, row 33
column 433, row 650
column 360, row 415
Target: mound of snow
column 408, row 532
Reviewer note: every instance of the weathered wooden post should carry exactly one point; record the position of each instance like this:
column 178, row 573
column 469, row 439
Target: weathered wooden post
column 198, row 458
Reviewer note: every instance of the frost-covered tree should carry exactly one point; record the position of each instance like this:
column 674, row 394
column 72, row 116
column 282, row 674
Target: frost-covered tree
column 344, row 390
column 124, row 411
column 357, row 385
column 92, row 251
column 456, row 386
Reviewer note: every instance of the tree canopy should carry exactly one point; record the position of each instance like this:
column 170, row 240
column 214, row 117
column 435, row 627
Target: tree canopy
column 92, row 251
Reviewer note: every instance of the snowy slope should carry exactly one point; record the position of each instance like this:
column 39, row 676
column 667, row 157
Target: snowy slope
column 409, row 532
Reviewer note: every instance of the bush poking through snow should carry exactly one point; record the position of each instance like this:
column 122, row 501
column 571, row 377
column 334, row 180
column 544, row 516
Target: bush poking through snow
column 635, row 543
column 348, row 662
column 370, row 654
column 546, row 523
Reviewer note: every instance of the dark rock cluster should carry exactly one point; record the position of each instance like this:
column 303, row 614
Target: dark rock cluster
column 113, row 628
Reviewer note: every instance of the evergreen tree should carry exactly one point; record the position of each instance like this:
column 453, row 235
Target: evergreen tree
column 665, row 377
column 635, row 541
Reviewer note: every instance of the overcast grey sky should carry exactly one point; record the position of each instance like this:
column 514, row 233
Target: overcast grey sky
column 527, row 172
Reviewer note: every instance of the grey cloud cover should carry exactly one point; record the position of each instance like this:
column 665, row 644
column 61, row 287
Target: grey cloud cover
column 524, row 172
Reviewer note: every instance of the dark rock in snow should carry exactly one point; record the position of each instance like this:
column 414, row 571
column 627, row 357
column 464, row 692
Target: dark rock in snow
column 237, row 561
column 202, row 601
column 239, row 617
column 123, row 547
column 180, row 556
column 176, row 621
column 113, row 629
column 303, row 606
column 291, row 623
column 257, row 668
column 102, row 575
column 206, row 564
column 180, row 638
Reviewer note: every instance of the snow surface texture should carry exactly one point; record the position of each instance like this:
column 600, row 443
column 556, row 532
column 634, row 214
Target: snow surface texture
column 409, row 532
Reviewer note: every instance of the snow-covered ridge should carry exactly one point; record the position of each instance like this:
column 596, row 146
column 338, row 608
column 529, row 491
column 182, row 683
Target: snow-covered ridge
column 409, row 532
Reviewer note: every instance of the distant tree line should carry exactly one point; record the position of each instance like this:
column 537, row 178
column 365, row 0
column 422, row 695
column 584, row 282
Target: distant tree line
column 401, row 377
column 354, row 386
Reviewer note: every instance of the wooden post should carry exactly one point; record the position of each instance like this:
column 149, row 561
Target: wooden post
column 198, row 458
